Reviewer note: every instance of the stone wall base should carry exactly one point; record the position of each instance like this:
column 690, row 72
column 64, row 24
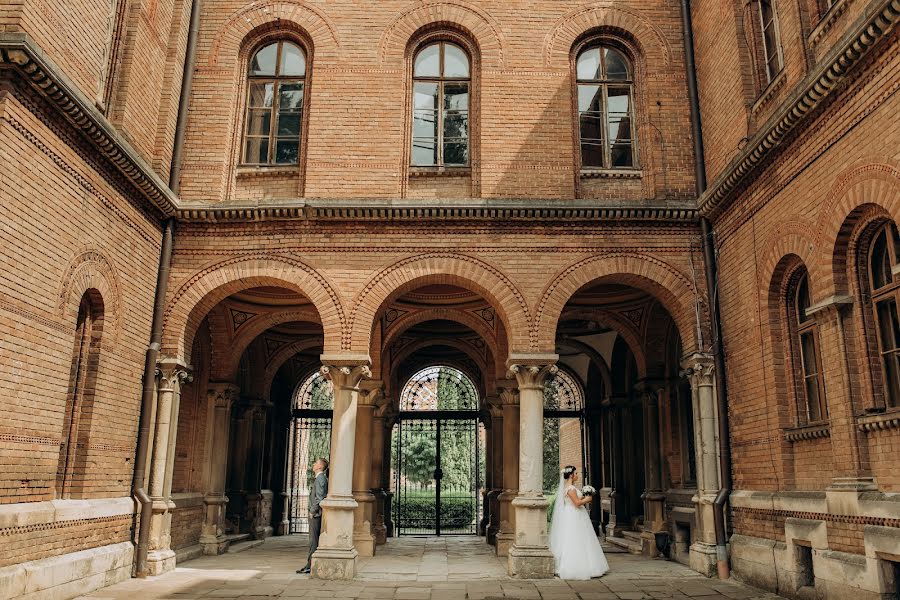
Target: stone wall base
column 334, row 564
column 189, row 553
column 504, row 543
column 68, row 575
column 531, row 563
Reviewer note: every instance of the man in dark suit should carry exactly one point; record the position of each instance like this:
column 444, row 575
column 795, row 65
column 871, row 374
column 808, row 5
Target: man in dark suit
column 316, row 495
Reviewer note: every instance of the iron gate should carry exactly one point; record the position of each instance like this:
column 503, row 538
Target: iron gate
column 438, row 466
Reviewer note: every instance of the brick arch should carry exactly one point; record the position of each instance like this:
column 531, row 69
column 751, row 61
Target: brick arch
column 281, row 356
column 869, row 186
column 90, row 269
column 570, row 27
column 449, row 268
column 227, row 42
column 196, row 296
column 621, row 325
column 226, row 359
column 792, row 238
column 659, row 279
column 479, row 379
column 479, row 326
column 485, row 31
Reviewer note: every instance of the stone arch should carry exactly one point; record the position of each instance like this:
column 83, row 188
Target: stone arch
column 196, row 296
column 225, row 363
column 281, row 356
column 622, row 326
column 573, row 25
column 479, row 379
column 448, row 268
column 483, row 29
column 292, row 14
column 652, row 275
column 790, row 238
column 90, row 269
column 872, row 185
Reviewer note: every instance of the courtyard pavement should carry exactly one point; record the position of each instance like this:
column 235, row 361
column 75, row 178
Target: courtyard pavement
column 446, row 568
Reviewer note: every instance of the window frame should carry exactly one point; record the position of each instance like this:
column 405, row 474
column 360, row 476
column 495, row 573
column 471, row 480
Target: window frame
column 800, row 328
column 276, row 80
column 776, row 36
column 890, row 292
column 631, row 83
column 440, row 80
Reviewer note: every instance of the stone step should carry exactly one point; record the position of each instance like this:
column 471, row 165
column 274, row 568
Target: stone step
column 628, row 545
column 634, row 536
column 234, row 538
column 241, row 546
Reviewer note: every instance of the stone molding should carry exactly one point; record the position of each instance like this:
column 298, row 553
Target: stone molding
column 812, row 93
column 807, row 432
column 872, row 423
column 24, row 514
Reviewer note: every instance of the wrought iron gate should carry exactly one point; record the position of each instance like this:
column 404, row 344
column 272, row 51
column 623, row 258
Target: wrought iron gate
column 438, row 466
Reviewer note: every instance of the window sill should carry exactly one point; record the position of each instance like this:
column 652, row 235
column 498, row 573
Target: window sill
column 807, row 432
column 611, row 174
column 887, row 420
column 440, row 171
column 827, row 21
column 248, row 171
column 769, row 92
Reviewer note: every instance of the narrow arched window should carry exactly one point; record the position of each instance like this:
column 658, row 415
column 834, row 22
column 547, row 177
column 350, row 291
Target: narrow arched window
column 771, row 39
column 805, row 335
column 440, row 104
column 277, row 78
column 884, row 287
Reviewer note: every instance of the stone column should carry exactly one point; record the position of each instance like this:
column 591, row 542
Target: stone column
column 284, row 528
column 654, row 499
column 364, row 515
column 220, row 398
column 171, row 373
column 701, row 372
column 509, row 397
column 377, row 454
column 530, row 557
column 496, row 467
column 259, row 500
column 488, row 475
column 336, row 556
column 617, row 467
column 390, row 419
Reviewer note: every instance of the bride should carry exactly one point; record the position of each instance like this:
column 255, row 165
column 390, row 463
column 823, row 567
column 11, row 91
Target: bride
column 572, row 539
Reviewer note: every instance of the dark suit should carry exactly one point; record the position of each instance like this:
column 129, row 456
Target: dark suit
column 317, row 494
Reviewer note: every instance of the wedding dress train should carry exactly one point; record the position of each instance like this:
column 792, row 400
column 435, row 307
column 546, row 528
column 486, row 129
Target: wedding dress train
column 574, row 544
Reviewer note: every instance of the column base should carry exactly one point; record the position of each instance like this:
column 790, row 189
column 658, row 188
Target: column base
column 334, row 564
column 160, row 561
column 703, row 558
column 380, row 533
column 492, row 535
column 504, row 542
column 531, row 563
column 363, row 540
column 213, row 545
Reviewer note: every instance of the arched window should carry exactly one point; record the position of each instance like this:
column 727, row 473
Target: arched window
column 440, row 103
column 439, row 388
column 79, row 400
column 884, row 287
column 277, row 77
column 605, row 82
column 771, row 42
column 314, row 393
column 805, row 337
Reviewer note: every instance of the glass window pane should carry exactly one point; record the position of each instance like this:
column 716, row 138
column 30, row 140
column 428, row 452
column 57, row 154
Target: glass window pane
column 591, row 154
column 259, row 121
column 588, row 64
column 808, row 348
column 289, row 123
column 812, row 399
column 589, row 98
column 293, row 61
column 425, row 96
column 621, row 155
column 619, row 128
column 424, row 152
column 888, row 325
column 287, row 152
column 456, row 96
column 616, row 64
column 427, row 63
column 260, row 94
column 290, row 95
column 892, row 374
column 803, row 299
column 456, row 153
column 619, row 100
column 256, row 150
column 591, row 127
column 263, row 62
column 881, row 262
column 456, row 63
column 456, row 125
column 425, row 124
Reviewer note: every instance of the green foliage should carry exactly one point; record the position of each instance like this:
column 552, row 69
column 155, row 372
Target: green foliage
column 456, row 513
column 551, row 438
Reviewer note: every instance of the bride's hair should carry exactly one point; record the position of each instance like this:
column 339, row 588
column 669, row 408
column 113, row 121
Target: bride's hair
column 567, row 471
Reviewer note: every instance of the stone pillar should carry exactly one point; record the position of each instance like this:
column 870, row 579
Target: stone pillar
column 509, row 397
column 654, row 498
column 496, row 467
column 220, row 398
column 617, row 467
column 530, row 557
column 701, row 372
column 390, row 419
column 284, row 528
column 259, row 500
column 488, row 473
column 336, row 556
column 364, row 515
column 171, row 373
column 377, row 454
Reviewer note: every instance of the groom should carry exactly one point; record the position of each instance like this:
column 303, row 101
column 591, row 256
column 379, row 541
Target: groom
column 317, row 494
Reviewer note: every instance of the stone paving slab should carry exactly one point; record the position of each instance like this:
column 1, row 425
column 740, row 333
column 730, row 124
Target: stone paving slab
column 447, row 568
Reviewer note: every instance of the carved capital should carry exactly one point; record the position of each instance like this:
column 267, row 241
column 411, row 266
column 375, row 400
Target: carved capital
column 507, row 396
column 222, row 395
column 171, row 373
column 371, row 397
column 699, row 369
column 650, row 391
column 346, row 377
column 531, row 376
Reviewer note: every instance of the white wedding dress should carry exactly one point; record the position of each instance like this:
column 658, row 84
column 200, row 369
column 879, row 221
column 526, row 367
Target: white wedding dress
column 574, row 544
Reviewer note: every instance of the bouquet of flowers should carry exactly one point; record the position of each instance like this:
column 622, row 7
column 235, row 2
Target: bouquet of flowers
column 588, row 490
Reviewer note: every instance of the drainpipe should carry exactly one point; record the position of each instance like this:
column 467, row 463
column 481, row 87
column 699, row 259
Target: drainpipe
column 143, row 445
column 187, row 81
column 710, row 267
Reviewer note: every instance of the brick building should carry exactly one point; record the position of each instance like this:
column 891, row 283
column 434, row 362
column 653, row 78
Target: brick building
column 227, row 221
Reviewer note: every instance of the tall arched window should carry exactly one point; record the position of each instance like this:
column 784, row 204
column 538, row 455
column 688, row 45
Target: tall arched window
column 805, row 337
column 884, row 287
column 79, row 400
column 440, row 103
column 771, row 39
column 605, row 82
column 277, row 77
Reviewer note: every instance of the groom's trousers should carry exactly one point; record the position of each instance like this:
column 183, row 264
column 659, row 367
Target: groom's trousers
column 315, row 529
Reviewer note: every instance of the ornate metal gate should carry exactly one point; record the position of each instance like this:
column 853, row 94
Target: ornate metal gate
column 310, row 439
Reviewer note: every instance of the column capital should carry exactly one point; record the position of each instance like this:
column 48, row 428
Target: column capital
column 699, row 368
column 650, row 389
column 345, row 376
column 222, row 394
column 171, row 373
column 508, row 395
column 373, row 397
column 531, row 376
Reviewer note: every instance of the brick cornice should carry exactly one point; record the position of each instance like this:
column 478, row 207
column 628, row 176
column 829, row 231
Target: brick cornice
column 20, row 54
column 877, row 22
